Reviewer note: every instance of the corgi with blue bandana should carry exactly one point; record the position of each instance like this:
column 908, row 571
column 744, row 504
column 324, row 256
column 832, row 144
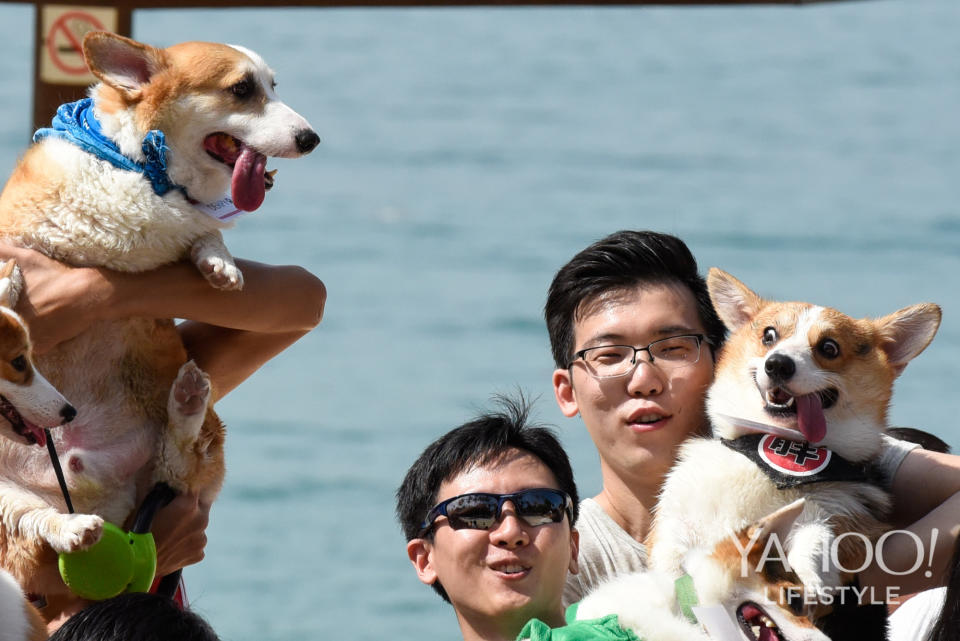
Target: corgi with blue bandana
column 168, row 150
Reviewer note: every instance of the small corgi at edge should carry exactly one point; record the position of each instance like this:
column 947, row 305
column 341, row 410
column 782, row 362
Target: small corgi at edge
column 821, row 383
column 21, row 621
column 127, row 180
column 758, row 603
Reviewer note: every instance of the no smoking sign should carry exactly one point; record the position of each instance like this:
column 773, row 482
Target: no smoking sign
column 61, row 55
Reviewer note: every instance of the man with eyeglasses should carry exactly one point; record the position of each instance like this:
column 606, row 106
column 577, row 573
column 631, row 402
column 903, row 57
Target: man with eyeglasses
column 488, row 512
column 634, row 335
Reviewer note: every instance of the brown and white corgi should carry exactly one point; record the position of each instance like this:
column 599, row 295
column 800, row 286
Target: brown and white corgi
column 170, row 146
column 741, row 593
column 798, row 407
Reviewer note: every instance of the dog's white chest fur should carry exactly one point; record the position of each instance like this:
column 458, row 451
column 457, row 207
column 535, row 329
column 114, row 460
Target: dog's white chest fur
column 130, row 229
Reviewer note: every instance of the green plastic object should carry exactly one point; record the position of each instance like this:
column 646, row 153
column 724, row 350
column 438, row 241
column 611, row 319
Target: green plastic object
column 119, row 562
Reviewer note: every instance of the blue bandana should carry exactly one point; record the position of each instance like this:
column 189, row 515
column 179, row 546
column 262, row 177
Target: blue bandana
column 75, row 122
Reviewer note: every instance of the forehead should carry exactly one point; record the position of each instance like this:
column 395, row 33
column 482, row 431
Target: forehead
column 13, row 338
column 211, row 63
column 512, row 471
column 641, row 313
column 810, row 321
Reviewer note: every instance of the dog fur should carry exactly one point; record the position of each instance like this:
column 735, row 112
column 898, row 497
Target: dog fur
column 143, row 408
column 21, row 621
column 713, row 491
column 646, row 602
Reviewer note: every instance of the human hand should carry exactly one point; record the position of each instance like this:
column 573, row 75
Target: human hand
column 179, row 530
column 58, row 301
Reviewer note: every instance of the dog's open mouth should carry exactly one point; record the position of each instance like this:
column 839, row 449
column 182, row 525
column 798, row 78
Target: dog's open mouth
column 250, row 179
column 756, row 623
column 32, row 434
column 808, row 409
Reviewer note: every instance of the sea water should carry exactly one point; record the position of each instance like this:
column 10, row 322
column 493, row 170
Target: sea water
column 466, row 155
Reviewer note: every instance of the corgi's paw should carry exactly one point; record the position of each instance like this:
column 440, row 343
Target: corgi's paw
column 190, row 391
column 220, row 273
column 73, row 532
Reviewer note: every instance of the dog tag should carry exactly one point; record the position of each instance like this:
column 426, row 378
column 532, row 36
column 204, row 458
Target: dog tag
column 222, row 209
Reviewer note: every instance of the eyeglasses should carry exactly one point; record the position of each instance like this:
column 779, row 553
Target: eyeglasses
column 610, row 361
column 481, row 510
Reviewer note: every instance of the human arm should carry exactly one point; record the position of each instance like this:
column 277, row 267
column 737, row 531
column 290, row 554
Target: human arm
column 229, row 334
column 926, row 496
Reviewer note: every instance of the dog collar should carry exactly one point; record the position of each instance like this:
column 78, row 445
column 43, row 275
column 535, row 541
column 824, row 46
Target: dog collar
column 791, row 463
column 75, row 122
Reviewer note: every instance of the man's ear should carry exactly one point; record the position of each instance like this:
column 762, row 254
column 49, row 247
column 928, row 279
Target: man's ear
column 574, row 551
column 420, row 552
column 563, row 392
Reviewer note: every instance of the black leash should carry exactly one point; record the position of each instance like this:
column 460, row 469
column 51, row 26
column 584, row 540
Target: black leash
column 59, row 470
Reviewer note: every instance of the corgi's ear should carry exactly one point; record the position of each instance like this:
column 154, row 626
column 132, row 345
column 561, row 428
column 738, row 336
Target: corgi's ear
column 735, row 302
column 122, row 63
column 10, row 282
column 777, row 523
column 907, row 332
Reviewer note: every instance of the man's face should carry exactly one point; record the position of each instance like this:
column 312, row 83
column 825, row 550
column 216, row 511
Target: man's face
column 510, row 573
column 638, row 420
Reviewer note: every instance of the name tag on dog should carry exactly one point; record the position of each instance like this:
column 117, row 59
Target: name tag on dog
column 222, row 209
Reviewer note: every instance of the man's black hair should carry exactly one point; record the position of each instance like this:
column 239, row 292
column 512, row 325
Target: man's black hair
column 479, row 442
column 139, row 616
column 622, row 261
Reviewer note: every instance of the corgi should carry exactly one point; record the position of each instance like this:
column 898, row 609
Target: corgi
column 798, row 406
column 170, row 147
column 734, row 601
column 21, row 621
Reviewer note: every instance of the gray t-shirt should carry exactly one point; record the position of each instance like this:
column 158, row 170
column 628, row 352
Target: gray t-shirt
column 606, row 548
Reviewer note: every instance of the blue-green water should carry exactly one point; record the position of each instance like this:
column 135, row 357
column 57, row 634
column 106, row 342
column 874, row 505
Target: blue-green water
column 466, row 155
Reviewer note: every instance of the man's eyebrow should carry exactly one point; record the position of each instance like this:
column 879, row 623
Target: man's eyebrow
column 611, row 338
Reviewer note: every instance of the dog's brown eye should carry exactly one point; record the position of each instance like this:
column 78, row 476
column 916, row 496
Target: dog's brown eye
column 19, row 363
column 829, row 348
column 770, row 336
column 242, row 89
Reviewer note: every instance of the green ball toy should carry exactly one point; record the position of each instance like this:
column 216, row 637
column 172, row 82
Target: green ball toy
column 119, row 562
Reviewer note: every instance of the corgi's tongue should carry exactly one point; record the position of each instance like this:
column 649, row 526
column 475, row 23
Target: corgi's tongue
column 810, row 419
column 247, row 185
column 37, row 432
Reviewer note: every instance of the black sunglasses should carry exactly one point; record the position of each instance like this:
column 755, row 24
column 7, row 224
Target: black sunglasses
column 481, row 510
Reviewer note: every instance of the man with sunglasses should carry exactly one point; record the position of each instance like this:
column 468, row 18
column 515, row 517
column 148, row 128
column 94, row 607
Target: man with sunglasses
column 488, row 512
column 634, row 335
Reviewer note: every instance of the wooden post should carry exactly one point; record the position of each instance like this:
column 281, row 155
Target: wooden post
column 59, row 74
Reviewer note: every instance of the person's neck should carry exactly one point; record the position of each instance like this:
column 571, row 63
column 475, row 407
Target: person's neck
column 486, row 628
column 629, row 502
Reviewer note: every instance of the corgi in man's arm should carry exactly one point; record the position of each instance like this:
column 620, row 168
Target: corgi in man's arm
column 826, row 354
column 229, row 334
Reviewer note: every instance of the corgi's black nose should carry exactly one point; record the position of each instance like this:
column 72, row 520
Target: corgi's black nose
column 68, row 413
column 306, row 140
column 779, row 367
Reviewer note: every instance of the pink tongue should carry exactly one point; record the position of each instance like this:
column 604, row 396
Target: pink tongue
column 810, row 417
column 37, row 432
column 247, row 186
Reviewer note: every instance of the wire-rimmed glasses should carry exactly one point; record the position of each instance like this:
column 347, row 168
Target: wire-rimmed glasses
column 611, row 361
